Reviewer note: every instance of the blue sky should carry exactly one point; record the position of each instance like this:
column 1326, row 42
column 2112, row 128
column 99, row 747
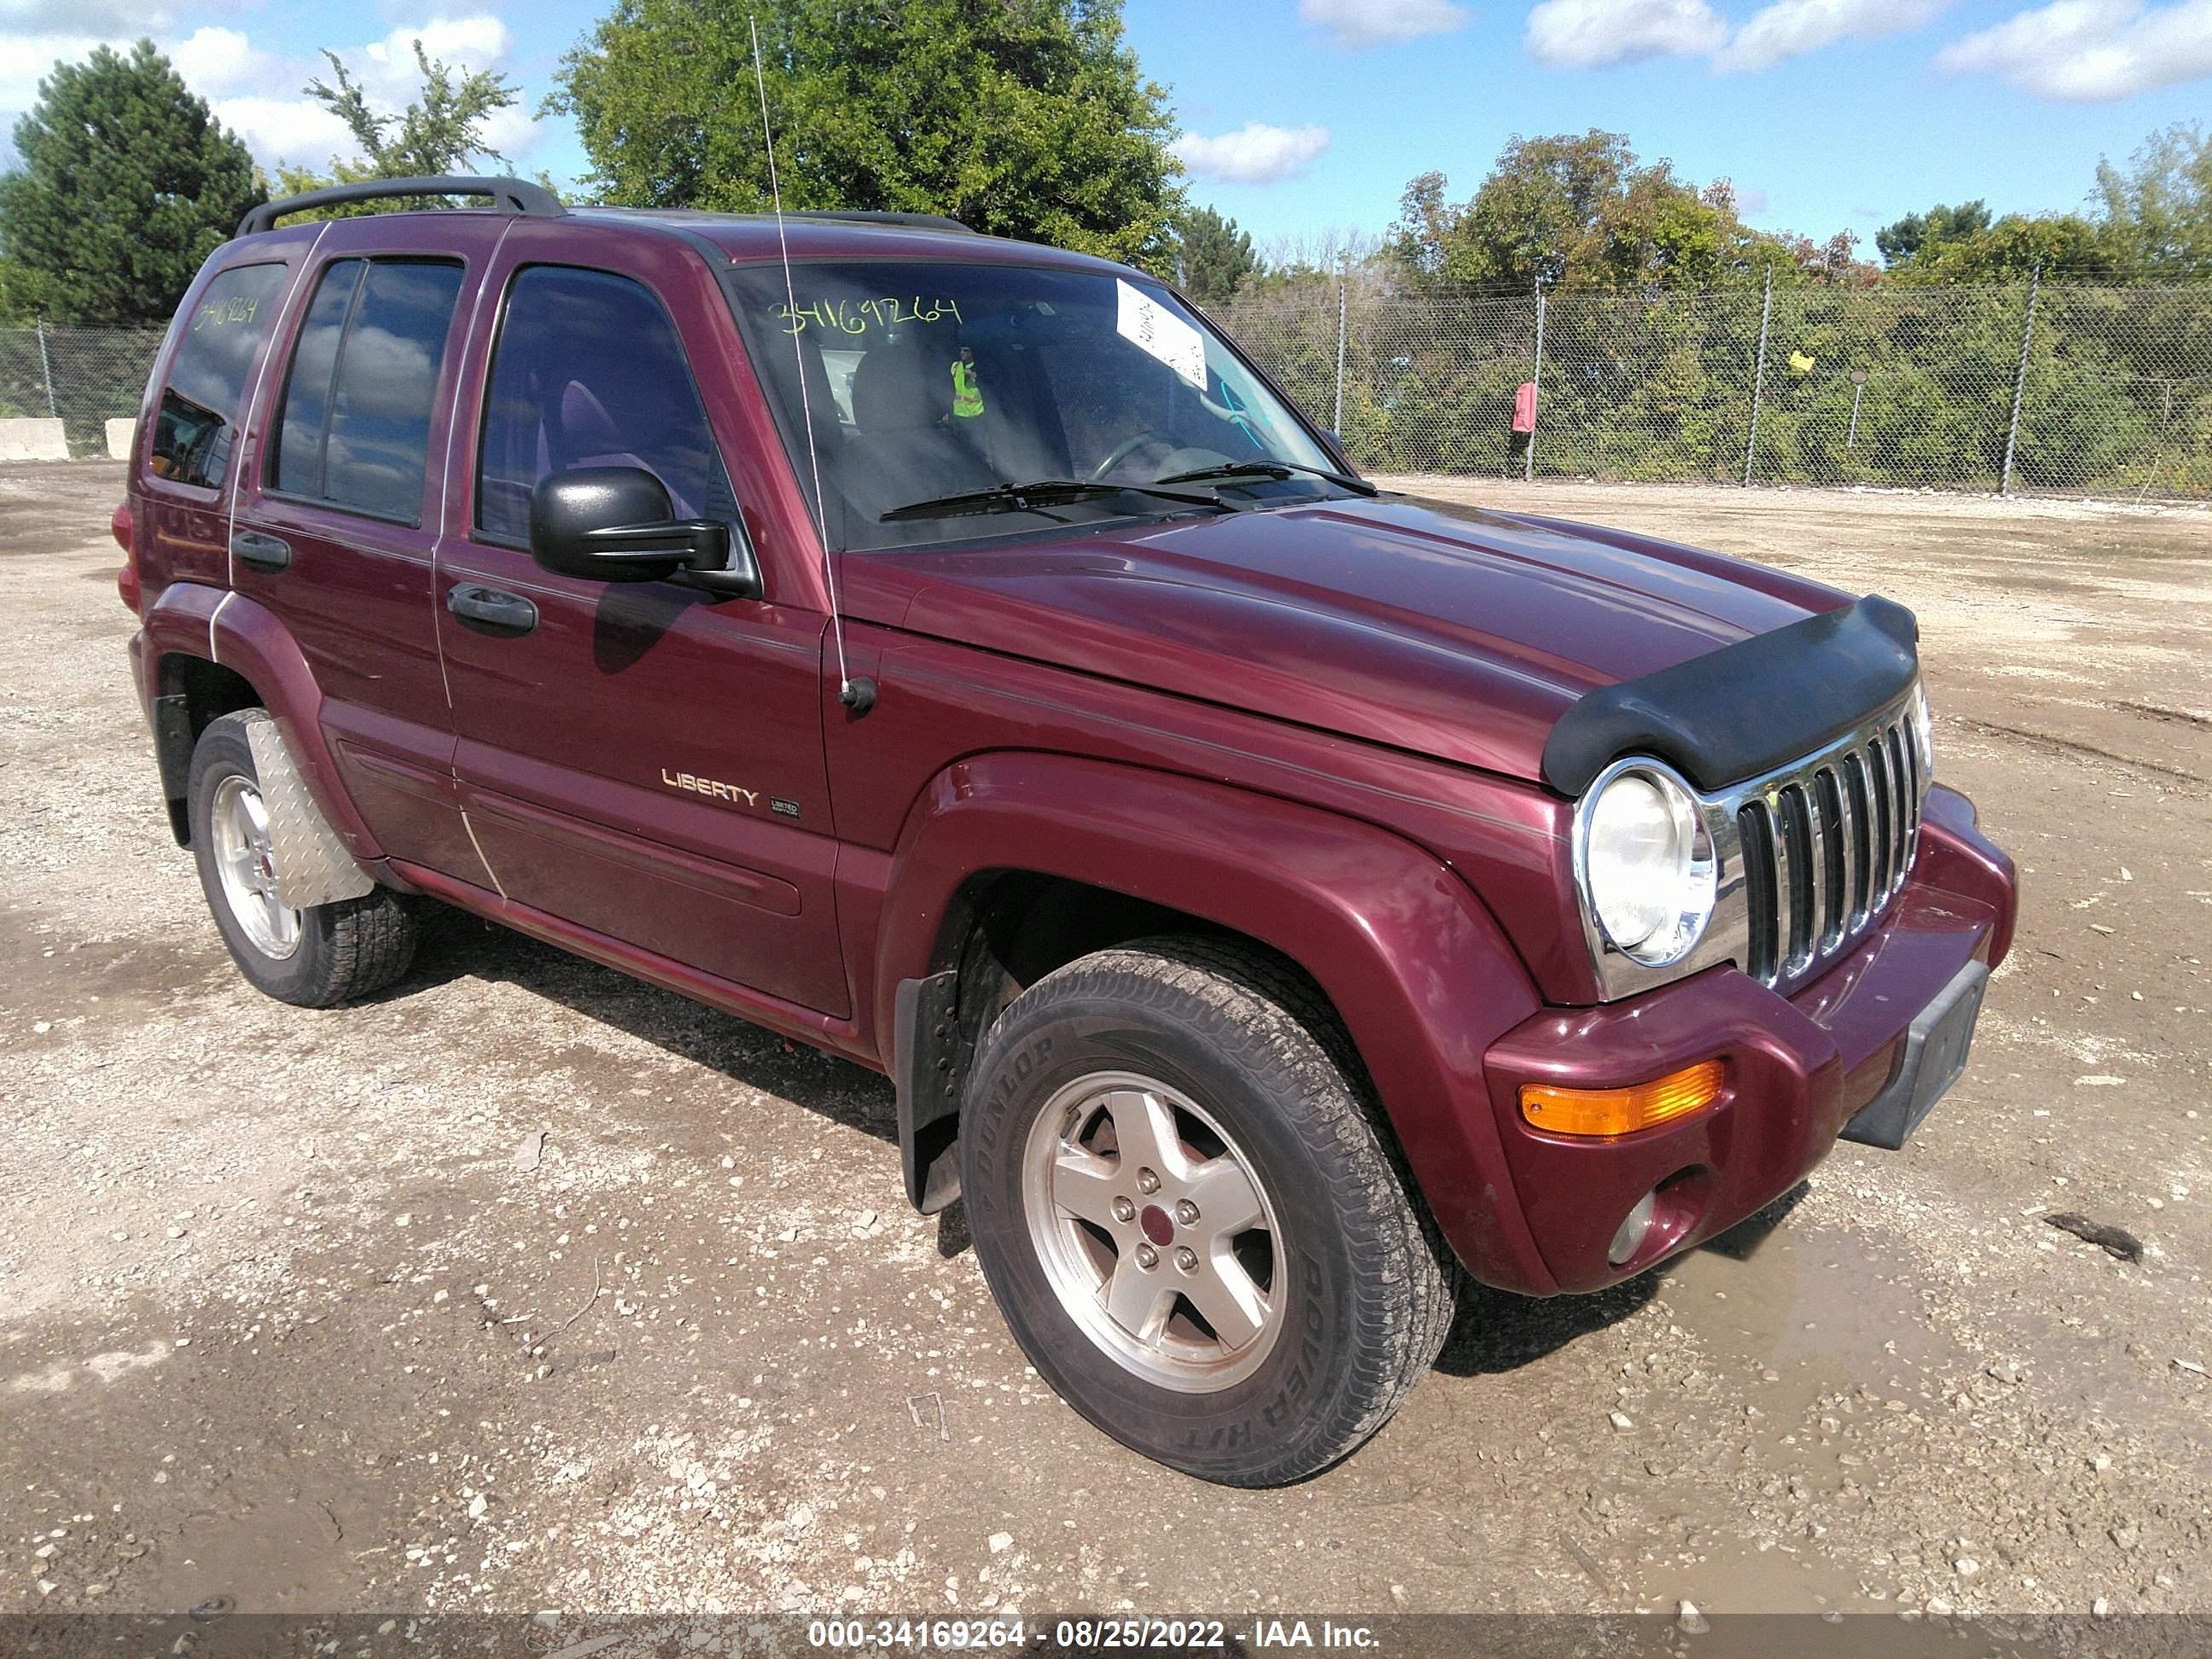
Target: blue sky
column 1303, row 117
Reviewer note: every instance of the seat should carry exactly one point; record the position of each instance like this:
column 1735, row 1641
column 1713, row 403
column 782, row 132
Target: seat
column 901, row 399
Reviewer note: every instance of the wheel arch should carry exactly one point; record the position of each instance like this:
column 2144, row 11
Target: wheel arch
column 209, row 652
column 1014, row 863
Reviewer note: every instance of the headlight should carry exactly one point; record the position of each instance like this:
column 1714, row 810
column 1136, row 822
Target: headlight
column 1923, row 732
column 1646, row 862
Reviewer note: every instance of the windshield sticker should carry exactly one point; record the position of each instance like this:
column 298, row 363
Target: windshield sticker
column 1155, row 330
column 859, row 316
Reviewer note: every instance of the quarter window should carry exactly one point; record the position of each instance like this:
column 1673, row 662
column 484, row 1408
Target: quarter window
column 589, row 371
column 199, row 412
column 355, row 430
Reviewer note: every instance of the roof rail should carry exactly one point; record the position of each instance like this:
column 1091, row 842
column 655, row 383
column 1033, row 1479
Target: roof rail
column 870, row 216
column 507, row 196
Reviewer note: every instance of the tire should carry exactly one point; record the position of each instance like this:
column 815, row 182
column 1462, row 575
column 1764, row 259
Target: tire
column 1216, row 1061
column 312, row 958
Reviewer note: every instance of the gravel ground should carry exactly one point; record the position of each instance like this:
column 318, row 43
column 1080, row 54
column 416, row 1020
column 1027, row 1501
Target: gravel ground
column 529, row 1286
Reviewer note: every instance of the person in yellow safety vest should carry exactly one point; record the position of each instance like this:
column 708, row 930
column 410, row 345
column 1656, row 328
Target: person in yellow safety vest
column 967, row 396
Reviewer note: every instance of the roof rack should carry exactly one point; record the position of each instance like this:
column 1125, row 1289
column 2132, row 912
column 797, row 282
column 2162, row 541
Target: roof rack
column 867, row 216
column 507, row 196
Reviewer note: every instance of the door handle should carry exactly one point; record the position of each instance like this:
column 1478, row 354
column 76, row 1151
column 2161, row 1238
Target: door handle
column 492, row 608
column 262, row 552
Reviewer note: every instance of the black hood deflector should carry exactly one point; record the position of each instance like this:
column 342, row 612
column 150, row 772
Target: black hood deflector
column 1747, row 708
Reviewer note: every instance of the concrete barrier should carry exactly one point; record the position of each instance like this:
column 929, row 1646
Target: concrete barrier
column 33, row 440
column 122, row 433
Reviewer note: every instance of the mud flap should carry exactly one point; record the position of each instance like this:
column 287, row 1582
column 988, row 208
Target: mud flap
column 313, row 865
column 928, row 1096
column 1933, row 1056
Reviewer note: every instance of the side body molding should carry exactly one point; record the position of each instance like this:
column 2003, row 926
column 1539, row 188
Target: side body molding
column 193, row 619
column 1420, row 971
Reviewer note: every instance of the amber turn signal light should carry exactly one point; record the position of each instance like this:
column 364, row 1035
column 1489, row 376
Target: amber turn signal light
column 1624, row 1111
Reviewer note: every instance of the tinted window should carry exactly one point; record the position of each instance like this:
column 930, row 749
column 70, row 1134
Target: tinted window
column 588, row 372
column 199, row 405
column 298, row 468
column 356, row 419
column 928, row 381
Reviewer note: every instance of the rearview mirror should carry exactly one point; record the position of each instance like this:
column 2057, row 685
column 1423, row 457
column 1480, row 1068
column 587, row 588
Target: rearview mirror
column 615, row 523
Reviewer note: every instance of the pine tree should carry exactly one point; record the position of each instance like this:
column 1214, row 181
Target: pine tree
column 127, row 183
column 1213, row 257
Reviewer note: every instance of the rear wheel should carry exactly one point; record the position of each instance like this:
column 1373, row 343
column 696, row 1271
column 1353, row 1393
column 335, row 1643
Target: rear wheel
column 313, row 958
column 1191, row 1222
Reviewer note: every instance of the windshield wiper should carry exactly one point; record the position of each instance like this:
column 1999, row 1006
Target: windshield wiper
column 1270, row 469
column 1043, row 492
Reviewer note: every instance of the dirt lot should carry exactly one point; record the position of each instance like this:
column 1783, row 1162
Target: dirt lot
column 294, row 1310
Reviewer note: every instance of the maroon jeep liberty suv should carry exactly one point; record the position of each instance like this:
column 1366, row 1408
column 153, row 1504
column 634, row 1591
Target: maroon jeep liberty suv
column 1271, row 896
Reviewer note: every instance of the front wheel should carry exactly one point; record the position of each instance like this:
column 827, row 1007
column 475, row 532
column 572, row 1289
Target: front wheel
column 315, row 956
column 1188, row 1217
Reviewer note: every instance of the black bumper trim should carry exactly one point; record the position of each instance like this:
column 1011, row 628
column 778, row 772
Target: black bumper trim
column 1934, row 1054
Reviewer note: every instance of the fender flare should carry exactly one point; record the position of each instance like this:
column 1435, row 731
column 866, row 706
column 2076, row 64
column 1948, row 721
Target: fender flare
column 193, row 619
column 1414, row 963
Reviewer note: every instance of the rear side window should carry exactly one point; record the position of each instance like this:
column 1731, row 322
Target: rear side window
column 356, row 424
column 199, row 408
column 588, row 372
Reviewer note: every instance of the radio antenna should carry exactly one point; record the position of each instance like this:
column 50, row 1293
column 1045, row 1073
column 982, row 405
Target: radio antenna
column 859, row 696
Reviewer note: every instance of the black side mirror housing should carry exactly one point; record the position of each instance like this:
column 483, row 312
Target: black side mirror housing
column 615, row 523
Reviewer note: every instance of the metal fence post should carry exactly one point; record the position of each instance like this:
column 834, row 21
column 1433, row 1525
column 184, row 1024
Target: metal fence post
column 46, row 368
column 1536, row 417
column 1343, row 282
column 2020, row 379
column 1758, row 377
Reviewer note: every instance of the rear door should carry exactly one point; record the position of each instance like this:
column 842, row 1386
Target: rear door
column 643, row 759
column 187, row 435
column 339, row 501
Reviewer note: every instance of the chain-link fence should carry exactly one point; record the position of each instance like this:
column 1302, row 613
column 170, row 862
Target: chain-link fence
column 83, row 377
column 2039, row 387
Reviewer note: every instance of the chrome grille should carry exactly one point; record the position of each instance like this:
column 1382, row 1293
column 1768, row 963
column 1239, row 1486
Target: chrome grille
column 1825, row 845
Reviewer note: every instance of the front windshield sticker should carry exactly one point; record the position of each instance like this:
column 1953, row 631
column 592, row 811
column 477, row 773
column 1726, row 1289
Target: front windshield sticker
column 1156, row 329
column 847, row 316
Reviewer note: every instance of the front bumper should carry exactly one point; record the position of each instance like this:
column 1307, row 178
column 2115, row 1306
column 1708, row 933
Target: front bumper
column 1801, row 1068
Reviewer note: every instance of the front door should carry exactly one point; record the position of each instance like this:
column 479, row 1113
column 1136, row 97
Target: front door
column 338, row 510
column 643, row 759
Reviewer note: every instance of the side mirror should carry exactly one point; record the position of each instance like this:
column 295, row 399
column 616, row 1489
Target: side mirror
column 615, row 523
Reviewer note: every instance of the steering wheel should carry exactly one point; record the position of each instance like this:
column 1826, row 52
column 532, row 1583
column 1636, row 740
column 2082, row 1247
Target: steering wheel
column 1121, row 452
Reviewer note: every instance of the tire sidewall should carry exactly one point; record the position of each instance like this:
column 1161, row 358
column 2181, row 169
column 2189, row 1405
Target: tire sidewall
column 224, row 751
column 1266, row 1420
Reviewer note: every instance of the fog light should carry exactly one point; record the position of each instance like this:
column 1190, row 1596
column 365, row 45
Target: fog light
column 1623, row 1112
column 1629, row 1238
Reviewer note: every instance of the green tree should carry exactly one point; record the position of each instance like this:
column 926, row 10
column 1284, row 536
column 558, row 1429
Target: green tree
column 127, row 183
column 1581, row 211
column 2155, row 214
column 2009, row 251
column 1021, row 118
column 1213, row 257
column 1916, row 233
column 441, row 131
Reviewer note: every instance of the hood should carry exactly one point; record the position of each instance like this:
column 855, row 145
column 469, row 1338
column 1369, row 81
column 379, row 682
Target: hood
column 1443, row 631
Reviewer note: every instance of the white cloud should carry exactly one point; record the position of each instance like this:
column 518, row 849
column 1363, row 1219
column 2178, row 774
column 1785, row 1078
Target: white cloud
column 1355, row 23
column 215, row 60
column 1791, row 29
column 2091, row 50
column 297, row 131
column 1590, row 34
column 1256, row 153
column 257, row 94
column 27, row 59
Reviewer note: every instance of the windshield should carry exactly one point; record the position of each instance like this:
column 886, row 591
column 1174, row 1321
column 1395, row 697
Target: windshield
column 930, row 380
